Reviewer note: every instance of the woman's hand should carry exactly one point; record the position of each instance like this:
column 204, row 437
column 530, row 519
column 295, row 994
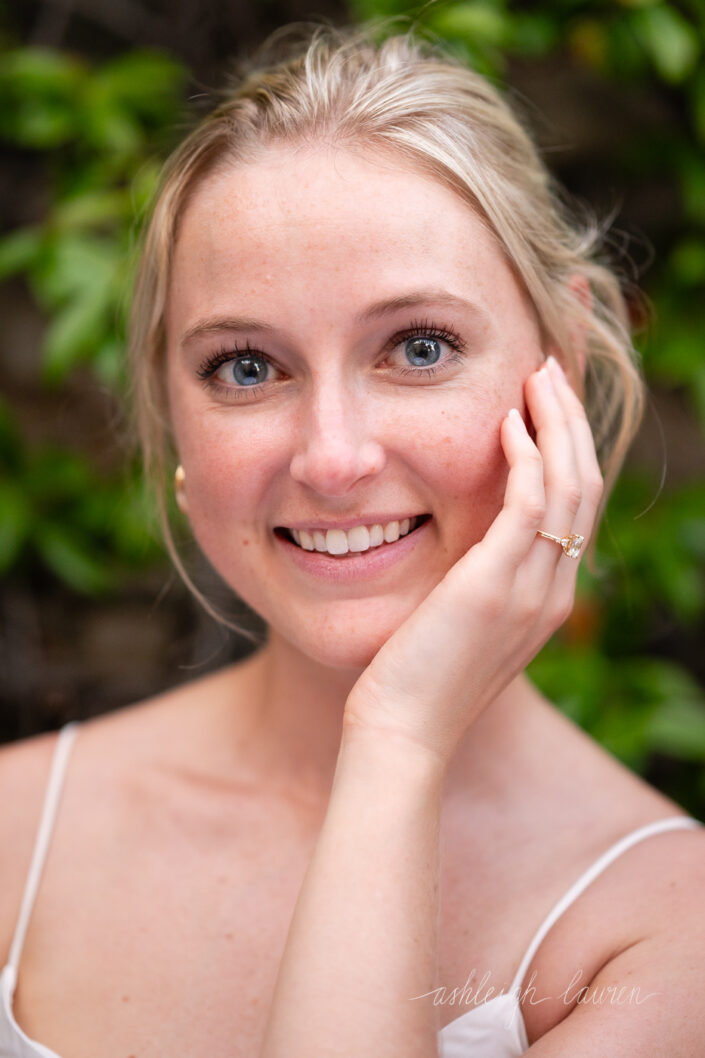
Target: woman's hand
column 499, row 604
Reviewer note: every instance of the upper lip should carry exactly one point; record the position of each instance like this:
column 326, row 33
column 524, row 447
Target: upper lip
column 351, row 522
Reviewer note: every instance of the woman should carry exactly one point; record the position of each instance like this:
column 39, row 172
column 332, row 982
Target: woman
column 360, row 328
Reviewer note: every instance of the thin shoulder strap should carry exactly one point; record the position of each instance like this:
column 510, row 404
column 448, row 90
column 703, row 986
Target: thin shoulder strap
column 41, row 845
column 608, row 857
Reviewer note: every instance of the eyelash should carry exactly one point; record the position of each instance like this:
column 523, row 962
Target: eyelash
column 417, row 329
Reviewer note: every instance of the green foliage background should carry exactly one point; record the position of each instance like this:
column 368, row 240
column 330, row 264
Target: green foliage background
column 100, row 132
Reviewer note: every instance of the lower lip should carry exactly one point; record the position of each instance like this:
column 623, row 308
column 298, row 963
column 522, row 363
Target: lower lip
column 353, row 566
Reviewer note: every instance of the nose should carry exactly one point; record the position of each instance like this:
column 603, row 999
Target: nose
column 334, row 448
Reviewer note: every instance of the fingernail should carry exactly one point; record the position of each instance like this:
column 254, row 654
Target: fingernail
column 544, row 377
column 555, row 367
column 516, row 418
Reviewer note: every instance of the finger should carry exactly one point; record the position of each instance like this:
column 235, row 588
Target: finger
column 591, row 483
column 513, row 532
column 556, row 444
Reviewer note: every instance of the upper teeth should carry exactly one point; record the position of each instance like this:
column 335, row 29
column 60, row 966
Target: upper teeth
column 359, row 538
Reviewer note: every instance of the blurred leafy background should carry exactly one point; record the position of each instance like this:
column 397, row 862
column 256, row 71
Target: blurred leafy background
column 92, row 96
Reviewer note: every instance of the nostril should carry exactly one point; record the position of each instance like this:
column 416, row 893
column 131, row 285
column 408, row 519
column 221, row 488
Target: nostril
column 333, row 467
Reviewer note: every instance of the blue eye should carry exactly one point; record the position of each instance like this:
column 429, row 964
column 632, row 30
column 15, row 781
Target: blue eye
column 422, row 351
column 235, row 373
column 246, row 374
column 248, row 370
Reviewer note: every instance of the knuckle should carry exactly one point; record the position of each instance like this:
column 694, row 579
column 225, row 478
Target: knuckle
column 594, row 487
column 534, row 457
column 490, row 605
column 572, row 497
column 534, row 510
column 563, row 610
column 530, row 610
column 575, row 406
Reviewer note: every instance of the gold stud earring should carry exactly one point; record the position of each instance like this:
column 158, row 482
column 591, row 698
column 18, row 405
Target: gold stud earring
column 179, row 479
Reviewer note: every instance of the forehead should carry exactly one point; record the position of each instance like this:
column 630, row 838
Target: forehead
column 317, row 222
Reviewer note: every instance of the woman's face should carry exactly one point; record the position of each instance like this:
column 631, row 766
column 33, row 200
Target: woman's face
column 344, row 340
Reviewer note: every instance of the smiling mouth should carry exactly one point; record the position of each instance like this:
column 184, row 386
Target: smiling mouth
column 341, row 543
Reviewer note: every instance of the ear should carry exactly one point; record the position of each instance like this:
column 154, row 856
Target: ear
column 577, row 330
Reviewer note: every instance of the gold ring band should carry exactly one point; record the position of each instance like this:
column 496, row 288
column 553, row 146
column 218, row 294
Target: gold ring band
column 571, row 544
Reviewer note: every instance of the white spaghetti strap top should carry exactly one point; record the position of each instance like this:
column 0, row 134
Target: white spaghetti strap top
column 494, row 1029
column 41, row 845
column 608, row 857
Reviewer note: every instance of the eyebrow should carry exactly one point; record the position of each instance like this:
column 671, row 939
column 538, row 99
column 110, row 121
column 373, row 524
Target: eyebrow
column 378, row 309
column 224, row 323
column 418, row 297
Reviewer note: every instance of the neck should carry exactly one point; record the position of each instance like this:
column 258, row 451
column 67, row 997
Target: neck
column 292, row 708
column 292, row 713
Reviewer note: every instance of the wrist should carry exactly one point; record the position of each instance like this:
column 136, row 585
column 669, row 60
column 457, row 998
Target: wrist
column 394, row 752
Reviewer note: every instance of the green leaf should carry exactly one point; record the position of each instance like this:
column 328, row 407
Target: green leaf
column 677, row 725
column 680, row 586
column 106, row 126
column 73, row 264
column 145, row 82
column 15, row 523
column 109, row 362
column 533, row 34
column 692, row 175
column 18, row 251
column 41, row 125
column 73, row 334
column 133, row 524
column 55, row 475
column 669, row 39
column 92, row 208
column 688, row 261
column 71, row 560
column 480, row 23
column 698, row 102
column 38, row 93
column 364, row 10
column 143, row 185
column 11, row 446
column 697, row 383
column 41, row 72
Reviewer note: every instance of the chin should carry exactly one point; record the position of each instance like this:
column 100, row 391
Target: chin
column 348, row 643
column 344, row 655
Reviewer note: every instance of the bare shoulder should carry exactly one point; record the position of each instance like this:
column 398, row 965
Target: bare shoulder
column 22, row 763
column 112, row 756
column 177, row 724
column 638, row 864
column 24, row 773
column 654, row 851
column 628, row 956
column 657, row 884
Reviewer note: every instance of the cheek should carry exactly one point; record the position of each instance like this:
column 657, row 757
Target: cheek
column 230, row 467
column 468, row 469
column 472, row 455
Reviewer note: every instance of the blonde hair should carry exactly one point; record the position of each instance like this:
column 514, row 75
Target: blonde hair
column 405, row 96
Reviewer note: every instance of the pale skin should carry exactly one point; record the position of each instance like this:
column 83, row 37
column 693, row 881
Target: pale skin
column 378, row 802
